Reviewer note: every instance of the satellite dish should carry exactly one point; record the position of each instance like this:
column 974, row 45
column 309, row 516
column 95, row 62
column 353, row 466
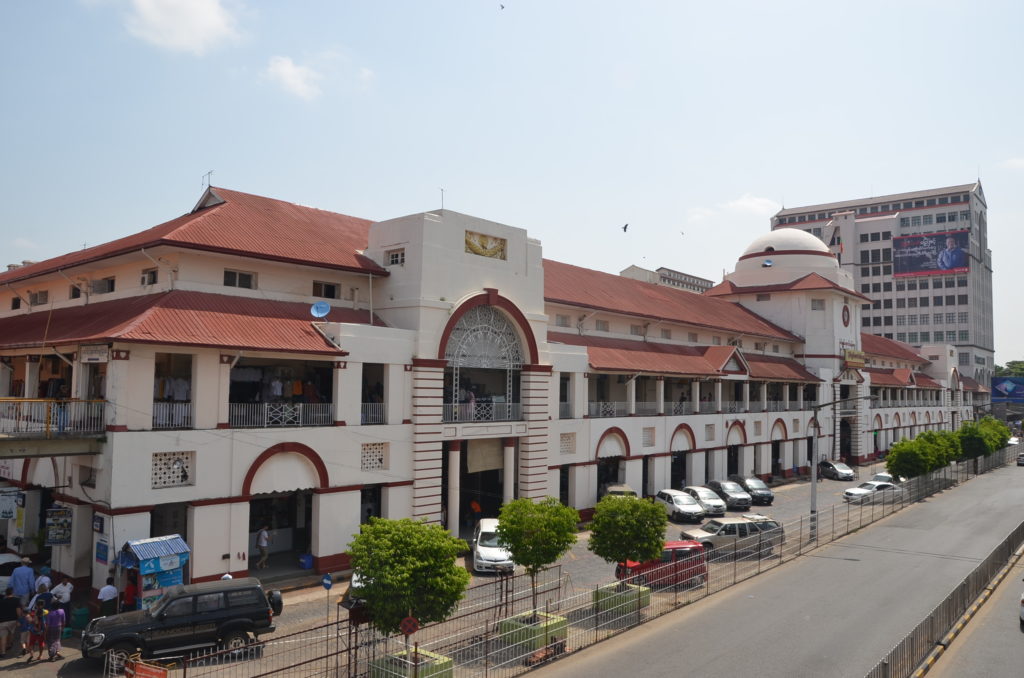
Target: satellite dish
column 320, row 309
column 767, row 263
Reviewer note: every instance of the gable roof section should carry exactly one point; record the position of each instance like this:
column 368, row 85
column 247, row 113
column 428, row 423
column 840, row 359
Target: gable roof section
column 181, row 318
column 246, row 225
column 586, row 288
column 874, row 345
column 811, row 281
column 970, row 384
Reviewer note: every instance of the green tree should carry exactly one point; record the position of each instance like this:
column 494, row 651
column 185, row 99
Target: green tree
column 408, row 568
column 938, row 447
column 972, row 441
column 537, row 533
column 627, row 528
column 995, row 432
column 1013, row 368
column 907, row 459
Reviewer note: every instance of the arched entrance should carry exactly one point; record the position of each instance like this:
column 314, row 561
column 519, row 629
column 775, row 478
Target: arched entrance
column 280, row 483
column 845, row 439
column 682, row 443
column 612, row 450
column 484, row 357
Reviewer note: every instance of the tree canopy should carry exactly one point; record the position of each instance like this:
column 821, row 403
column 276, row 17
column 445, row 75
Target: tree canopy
column 1013, row 368
column 537, row 533
column 627, row 528
column 408, row 568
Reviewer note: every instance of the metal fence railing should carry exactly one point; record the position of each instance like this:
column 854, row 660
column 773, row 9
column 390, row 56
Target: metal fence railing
column 169, row 415
column 47, row 418
column 497, row 632
column 270, row 415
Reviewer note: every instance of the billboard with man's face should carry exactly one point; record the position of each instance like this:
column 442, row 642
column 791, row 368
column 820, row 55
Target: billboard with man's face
column 930, row 254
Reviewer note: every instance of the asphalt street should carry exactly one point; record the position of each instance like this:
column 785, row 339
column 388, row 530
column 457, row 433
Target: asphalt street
column 834, row 613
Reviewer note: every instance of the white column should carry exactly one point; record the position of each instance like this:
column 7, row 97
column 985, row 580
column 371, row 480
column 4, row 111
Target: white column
column 747, row 454
column 631, row 395
column 130, row 389
column 224, row 392
column 659, row 390
column 396, row 501
column 454, row 468
column 718, row 395
column 336, row 519
column 695, row 395
column 508, row 485
column 746, row 396
column 32, row 376
column 696, row 471
column 763, row 459
column 7, row 375
column 206, row 390
column 785, row 397
column 717, row 464
column 395, row 395
column 216, row 531
column 348, row 393
column 764, row 396
column 578, row 388
column 634, row 473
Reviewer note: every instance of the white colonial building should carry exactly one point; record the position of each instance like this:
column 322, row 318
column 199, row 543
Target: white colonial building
column 181, row 379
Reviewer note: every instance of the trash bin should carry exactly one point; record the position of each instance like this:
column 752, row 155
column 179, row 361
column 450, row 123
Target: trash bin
column 306, row 561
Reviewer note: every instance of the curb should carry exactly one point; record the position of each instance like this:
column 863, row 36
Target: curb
column 983, row 597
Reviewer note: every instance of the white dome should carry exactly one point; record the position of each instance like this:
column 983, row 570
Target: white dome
column 786, row 240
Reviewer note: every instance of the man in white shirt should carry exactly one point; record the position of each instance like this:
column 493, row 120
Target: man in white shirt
column 108, row 598
column 62, row 594
column 263, row 544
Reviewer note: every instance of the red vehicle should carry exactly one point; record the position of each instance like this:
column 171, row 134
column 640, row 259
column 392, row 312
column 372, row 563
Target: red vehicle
column 681, row 562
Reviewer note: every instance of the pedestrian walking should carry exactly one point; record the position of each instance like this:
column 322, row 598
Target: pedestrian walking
column 54, row 623
column 24, row 629
column 37, row 632
column 263, row 540
column 62, row 594
column 10, row 610
column 23, row 581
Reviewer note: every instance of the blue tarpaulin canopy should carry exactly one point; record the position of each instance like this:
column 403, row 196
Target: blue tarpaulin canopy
column 155, row 554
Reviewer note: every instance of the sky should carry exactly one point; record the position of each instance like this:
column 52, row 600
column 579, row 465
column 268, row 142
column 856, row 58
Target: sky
column 693, row 122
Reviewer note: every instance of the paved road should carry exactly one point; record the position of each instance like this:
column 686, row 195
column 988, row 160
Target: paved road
column 991, row 644
column 835, row 613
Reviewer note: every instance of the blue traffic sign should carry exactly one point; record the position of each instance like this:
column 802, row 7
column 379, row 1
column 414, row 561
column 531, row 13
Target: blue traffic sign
column 327, row 581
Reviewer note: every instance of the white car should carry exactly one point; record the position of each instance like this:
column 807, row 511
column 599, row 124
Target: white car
column 487, row 553
column 680, row 506
column 873, row 491
column 8, row 563
column 707, row 498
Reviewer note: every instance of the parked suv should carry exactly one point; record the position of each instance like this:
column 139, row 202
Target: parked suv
column 734, row 496
column 740, row 535
column 226, row 612
column 681, row 562
column 759, row 492
column 680, row 506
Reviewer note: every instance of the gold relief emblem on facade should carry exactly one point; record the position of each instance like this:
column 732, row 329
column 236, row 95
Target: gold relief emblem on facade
column 485, row 245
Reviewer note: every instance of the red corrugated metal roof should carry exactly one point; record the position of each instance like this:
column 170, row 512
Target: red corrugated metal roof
column 872, row 344
column 777, row 368
column 246, row 225
column 181, row 318
column 811, row 281
column 624, row 355
column 926, row 382
column 972, row 385
column 890, row 377
column 576, row 286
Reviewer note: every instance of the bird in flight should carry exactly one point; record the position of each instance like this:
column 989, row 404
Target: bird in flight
column 625, row 227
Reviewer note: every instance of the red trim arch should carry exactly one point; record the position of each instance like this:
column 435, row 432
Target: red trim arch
column 785, row 431
column 490, row 297
column 813, row 423
column 689, row 431
column 614, row 430
column 743, row 432
column 896, row 421
column 25, row 466
column 878, row 422
column 297, row 448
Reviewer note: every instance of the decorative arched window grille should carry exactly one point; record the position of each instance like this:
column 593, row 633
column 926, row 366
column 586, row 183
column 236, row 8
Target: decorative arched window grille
column 484, row 338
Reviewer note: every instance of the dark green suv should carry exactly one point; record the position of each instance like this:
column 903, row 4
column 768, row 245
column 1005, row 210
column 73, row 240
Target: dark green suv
column 225, row 613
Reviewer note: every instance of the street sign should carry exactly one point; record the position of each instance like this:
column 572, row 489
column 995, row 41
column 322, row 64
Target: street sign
column 409, row 626
column 327, row 581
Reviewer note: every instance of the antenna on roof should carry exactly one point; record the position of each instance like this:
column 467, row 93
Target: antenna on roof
column 442, row 197
column 208, row 177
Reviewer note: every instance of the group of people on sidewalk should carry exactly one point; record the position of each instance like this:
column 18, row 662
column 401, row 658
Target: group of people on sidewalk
column 34, row 612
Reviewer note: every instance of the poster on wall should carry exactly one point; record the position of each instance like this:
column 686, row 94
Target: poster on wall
column 58, row 527
column 102, row 552
column 8, row 506
column 931, row 254
column 1008, row 389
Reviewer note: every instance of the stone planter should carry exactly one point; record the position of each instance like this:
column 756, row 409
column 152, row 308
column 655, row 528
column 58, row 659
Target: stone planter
column 519, row 629
column 621, row 597
column 431, row 665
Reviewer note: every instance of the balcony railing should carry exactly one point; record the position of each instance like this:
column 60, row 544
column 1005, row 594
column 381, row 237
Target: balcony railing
column 732, row 406
column 565, row 410
column 172, row 415
column 482, row 412
column 38, row 418
column 680, row 408
column 272, row 415
column 708, row 407
column 374, row 413
column 608, row 409
column 646, row 409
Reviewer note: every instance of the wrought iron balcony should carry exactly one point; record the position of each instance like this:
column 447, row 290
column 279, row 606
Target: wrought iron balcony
column 49, row 418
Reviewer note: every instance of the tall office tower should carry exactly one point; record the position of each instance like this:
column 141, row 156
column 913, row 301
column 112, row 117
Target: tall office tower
column 923, row 259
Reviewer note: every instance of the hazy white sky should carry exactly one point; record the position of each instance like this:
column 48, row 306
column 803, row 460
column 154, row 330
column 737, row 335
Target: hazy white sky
column 691, row 121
